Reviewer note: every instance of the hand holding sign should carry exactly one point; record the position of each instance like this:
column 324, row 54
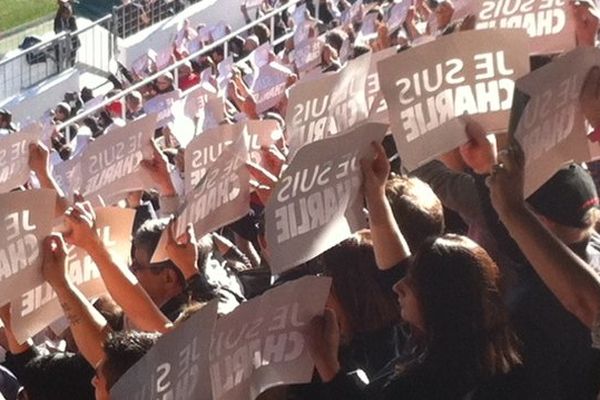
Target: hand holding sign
column 507, row 180
column 587, row 22
column 375, row 172
column 157, row 168
column 81, row 226
column 54, row 255
column 479, row 153
column 183, row 252
column 323, row 340
column 38, row 159
column 590, row 97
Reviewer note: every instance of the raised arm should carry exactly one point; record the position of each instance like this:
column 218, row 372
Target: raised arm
column 39, row 164
column 570, row 278
column 388, row 242
column 122, row 285
column 88, row 326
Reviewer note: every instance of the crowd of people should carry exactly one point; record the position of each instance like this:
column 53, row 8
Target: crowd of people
column 461, row 287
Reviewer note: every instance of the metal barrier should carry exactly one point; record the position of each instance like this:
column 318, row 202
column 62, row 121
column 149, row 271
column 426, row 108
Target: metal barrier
column 174, row 67
column 129, row 19
column 91, row 45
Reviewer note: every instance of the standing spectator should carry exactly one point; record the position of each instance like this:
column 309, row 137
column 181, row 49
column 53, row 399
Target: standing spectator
column 65, row 22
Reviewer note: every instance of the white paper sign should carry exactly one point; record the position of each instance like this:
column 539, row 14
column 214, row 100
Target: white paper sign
column 317, row 202
column 37, row 308
column 26, row 221
column 176, row 367
column 221, row 196
column 109, row 165
column 551, row 128
column 14, row 157
column 549, row 23
column 162, row 106
column 261, row 343
column 324, row 107
column 466, row 73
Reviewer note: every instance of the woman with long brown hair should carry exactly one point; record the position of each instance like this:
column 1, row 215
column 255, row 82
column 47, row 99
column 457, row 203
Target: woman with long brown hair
column 460, row 343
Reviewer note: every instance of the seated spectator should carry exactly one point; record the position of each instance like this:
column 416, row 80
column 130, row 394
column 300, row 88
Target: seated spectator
column 187, row 77
column 134, row 105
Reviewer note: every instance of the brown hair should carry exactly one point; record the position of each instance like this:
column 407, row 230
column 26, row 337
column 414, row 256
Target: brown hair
column 417, row 210
column 456, row 283
column 367, row 305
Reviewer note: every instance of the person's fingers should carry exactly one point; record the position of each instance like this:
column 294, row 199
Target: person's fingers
column 171, row 242
column 191, row 235
column 330, row 322
column 58, row 245
column 379, row 150
column 475, row 131
column 78, row 197
column 87, row 206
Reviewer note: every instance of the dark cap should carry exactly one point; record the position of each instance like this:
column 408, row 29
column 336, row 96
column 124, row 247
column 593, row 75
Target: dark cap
column 566, row 197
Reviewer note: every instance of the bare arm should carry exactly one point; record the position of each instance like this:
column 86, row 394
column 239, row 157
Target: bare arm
column 88, row 326
column 569, row 277
column 39, row 164
column 120, row 282
column 388, row 242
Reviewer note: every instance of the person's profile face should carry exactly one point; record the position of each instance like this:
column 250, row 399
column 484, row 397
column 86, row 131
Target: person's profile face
column 409, row 303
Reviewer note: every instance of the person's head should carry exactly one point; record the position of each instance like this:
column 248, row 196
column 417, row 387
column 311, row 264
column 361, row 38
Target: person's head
column 364, row 306
column 335, row 39
column 66, row 10
column 262, row 32
column 565, row 203
column 250, row 44
column 185, row 70
column 121, row 351
column 5, row 118
column 62, row 111
column 57, row 376
column 164, row 83
column 417, row 210
column 162, row 280
column 133, row 101
column 451, row 299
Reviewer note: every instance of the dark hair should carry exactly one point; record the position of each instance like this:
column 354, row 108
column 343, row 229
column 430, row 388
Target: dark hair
column 123, row 350
column 58, row 376
column 262, row 32
column 417, row 210
column 466, row 322
column 146, row 239
column 335, row 39
column 352, row 266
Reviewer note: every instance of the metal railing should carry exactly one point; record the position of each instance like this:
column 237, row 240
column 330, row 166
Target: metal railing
column 91, row 45
column 173, row 68
column 129, row 19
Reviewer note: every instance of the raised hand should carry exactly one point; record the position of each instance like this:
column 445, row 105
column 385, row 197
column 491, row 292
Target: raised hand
column 590, row 97
column 323, row 340
column 158, row 169
column 183, row 252
column 480, row 151
column 54, row 261
column 38, row 159
column 375, row 172
column 587, row 22
column 507, row 179
column 80, row 221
